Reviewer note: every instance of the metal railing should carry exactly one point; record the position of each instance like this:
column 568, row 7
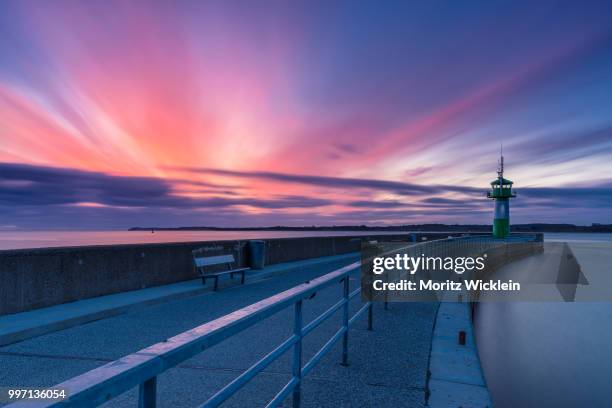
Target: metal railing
column 142, row 368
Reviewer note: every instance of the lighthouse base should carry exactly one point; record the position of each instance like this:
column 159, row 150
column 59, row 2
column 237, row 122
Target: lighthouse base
column 501, row 227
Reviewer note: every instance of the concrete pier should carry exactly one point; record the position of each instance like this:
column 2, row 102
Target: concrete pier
column 387, row 366
column 409, row 359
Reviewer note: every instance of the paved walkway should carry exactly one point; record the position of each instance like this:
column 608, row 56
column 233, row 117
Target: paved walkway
column 387, row 366
column 456, row 376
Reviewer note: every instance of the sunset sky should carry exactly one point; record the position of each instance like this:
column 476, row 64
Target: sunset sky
column 255, row 113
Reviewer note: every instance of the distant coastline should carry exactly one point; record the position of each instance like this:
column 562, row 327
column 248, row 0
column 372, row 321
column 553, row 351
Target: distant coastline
column 407, row 228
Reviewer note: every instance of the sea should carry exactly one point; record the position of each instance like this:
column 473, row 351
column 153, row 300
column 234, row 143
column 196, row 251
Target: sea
column 17, row 239
column 47, row 239
column 553, row 354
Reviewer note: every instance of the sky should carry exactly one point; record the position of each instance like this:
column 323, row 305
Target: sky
column 116, row 114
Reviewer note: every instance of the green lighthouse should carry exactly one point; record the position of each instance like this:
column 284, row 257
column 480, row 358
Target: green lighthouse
column 501, row 192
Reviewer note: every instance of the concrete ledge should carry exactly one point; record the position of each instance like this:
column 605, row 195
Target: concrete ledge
column 21, row 326
column 456, row 376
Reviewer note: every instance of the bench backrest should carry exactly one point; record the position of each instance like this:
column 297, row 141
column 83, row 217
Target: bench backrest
column 212, row 260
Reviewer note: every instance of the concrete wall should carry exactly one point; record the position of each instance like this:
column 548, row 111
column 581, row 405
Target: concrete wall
column 34, row 278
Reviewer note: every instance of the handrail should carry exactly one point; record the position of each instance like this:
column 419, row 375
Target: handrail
column 141, row 369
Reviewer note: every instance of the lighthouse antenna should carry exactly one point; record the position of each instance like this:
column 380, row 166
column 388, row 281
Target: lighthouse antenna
column 500, row 169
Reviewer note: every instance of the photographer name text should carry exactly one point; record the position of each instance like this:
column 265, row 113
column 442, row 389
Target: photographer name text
column 476, row 284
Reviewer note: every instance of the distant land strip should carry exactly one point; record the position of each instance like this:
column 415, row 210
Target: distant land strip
column 407, row 228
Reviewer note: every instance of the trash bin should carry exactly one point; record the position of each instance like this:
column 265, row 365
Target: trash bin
column 257, row 254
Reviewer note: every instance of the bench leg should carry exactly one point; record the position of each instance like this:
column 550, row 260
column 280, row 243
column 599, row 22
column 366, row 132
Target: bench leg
column 232, row 275
column 242, row 278
column 216, row 283
column 203, row 280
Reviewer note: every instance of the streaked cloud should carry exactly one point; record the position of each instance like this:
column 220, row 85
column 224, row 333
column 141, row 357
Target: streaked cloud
column 232, row 113
column 41, row 194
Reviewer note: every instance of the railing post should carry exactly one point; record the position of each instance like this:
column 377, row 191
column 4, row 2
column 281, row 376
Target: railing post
column 297, row 354
column 147, row 393
column 345, row 322
column 370, row 316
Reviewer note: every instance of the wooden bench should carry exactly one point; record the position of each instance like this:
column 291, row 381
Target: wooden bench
column 203, row 262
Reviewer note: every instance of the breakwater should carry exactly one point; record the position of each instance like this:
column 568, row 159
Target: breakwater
column 35, row 278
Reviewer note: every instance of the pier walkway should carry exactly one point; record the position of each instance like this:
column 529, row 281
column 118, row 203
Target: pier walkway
column 387, row 366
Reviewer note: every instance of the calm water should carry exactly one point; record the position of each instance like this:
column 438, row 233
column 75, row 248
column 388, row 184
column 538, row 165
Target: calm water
column 578, row 237
column 44, row 239
column 552, row 354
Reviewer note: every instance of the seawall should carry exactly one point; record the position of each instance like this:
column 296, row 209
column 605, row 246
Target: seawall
column 456, row 378
column 35, row 278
